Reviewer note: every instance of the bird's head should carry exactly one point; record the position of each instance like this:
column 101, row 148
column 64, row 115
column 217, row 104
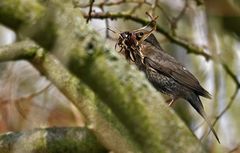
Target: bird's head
column 131, row 41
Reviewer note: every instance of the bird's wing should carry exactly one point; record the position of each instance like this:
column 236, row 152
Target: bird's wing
column 153, row 40
column 167, row 65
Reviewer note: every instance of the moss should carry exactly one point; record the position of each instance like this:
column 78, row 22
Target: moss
column 52, row 140
column 45, row 37
column 85, row 142
column 24, row 14
column 8, row 139
column 151, row 124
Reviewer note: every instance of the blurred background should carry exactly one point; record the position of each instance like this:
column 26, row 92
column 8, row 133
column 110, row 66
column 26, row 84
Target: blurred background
column 211, row 27
column 28, row 100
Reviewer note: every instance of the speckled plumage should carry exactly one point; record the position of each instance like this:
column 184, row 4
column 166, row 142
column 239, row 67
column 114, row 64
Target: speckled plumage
column 162, row 70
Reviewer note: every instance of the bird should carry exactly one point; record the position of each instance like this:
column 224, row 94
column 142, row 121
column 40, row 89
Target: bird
column 162, row 70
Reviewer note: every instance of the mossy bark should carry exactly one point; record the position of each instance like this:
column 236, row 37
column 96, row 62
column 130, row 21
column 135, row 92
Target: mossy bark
column 151, row 124
column 100, row 118
column 51, row 140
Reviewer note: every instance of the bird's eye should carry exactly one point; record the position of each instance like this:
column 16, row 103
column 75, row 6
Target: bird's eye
column 124, row 35
column 139, row 35
column 128, row 35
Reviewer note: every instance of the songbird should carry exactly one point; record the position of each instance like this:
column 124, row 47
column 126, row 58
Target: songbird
column 164, row 72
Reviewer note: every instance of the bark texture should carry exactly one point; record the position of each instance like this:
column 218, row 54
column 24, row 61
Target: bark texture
column 51, row 140
column 105, row 83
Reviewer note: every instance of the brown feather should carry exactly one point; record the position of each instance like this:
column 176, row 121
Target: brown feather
column 167, row 65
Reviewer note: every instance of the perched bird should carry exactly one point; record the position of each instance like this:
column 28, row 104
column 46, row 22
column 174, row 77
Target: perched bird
column 162, row 70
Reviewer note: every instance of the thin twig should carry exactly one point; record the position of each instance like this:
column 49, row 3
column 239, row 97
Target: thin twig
column 232, row 75
column 40, row 91
column 234, row 149
column 90, row 10
column 154, row 6
column 29, row 97
column 223, row 111
column 183, row 11
column 106, row 20
column 111, row 3
column 176, row 19
column 134, row 9
column 227, row 107
column 190, row 47
column 165, row 14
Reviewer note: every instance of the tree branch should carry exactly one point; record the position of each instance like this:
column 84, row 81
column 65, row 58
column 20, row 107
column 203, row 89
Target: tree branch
column 123, row 88
column 99, row 117
column 16, row 20
column 232, row 75
column 51, row 140
column 90, row 10
column 190, row 47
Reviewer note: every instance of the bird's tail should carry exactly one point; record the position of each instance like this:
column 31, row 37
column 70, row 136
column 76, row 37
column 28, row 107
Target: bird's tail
column 198, row 106
column 205, row 93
